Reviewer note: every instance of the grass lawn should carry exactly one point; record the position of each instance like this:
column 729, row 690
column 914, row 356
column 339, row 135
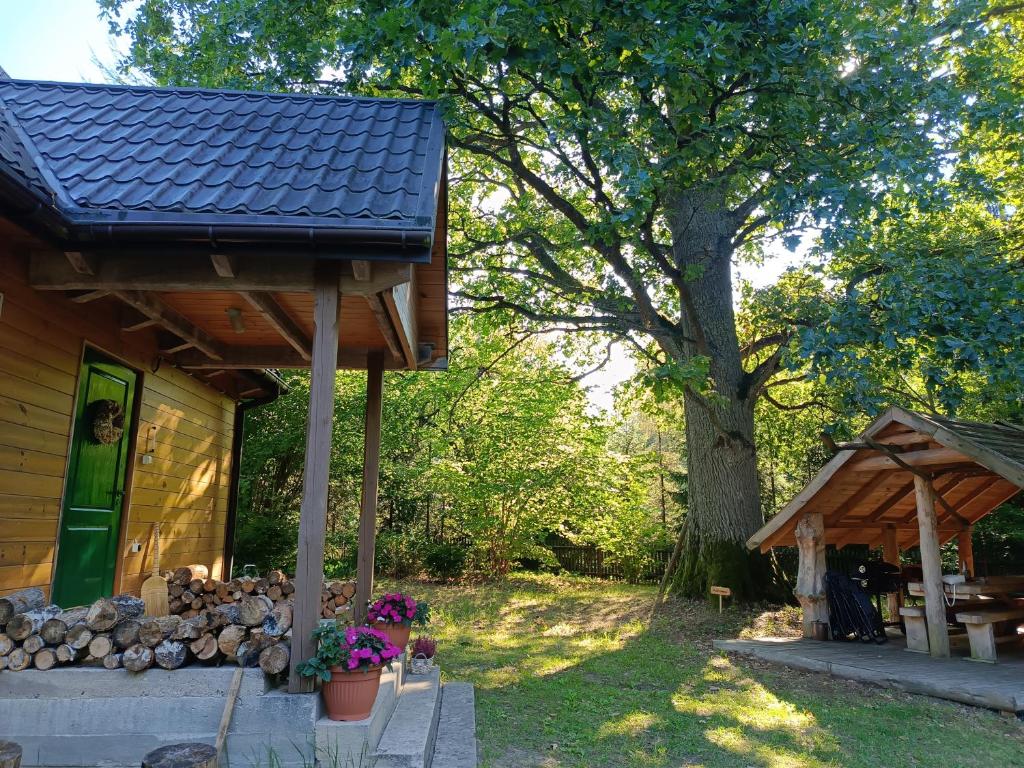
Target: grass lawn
column 571, row 672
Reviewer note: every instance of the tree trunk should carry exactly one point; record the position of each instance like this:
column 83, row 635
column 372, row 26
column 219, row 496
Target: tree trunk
column 724, row 505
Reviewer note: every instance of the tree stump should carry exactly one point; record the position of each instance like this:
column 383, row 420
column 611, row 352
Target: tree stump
column 810, row 579
column 10, row 754
column 182, row 756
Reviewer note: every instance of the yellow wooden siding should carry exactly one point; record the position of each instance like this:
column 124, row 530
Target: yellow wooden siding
column 186, row 485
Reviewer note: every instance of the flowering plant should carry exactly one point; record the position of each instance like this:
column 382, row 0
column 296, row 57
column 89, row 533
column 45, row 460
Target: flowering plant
column 352, row 648
column 396, row 608
column 425, row 647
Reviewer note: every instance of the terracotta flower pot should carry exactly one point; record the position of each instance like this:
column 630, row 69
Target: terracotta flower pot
column 350, row 695
column 398, row 634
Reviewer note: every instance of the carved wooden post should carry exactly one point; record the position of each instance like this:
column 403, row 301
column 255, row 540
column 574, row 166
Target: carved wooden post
column 810, row 580
column 931, row 568
column 965, row 549
column 891, row 555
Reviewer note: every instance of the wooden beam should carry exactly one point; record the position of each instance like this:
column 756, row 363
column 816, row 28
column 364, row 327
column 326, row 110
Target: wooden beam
column 925, row 458
column 383, row 318
column 175, row 348
column 400, row 305
column 235, row 358
column 82, row 263
column 946, row 487
column 83, row 298
column 362, row 270
column 50, row 271
column 904, row 438
column 280, row 321
column 891, row 501
column 309, row 567
column 154, row 309
column 371, row 477
column 931, row 568
column 224, row 265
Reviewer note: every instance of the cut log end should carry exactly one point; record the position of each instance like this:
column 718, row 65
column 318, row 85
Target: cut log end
column 181, row 756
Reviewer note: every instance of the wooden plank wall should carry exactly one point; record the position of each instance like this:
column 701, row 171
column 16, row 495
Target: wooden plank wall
column 185, row 488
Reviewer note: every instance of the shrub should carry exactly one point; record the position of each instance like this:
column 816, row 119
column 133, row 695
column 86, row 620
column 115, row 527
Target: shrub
column 446, row 562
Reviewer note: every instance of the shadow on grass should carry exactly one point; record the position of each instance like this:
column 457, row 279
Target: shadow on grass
column 570, row 672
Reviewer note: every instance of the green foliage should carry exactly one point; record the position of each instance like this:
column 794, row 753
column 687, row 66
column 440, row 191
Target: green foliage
column 445, row 562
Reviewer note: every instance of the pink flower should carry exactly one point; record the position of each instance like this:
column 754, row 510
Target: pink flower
column 375, row 658
column 353, row 663
column 410, row 613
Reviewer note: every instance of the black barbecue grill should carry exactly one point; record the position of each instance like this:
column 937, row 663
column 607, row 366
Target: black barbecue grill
column 878, row 578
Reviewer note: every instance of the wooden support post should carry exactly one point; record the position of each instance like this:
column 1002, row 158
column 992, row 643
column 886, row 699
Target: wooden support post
column 810, row 580
column 891, row 555
column 931, row 568
column 965, row 550
column 309, row 567
column 371, row 475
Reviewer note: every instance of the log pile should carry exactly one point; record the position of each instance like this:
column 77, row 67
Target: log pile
column 243, row 621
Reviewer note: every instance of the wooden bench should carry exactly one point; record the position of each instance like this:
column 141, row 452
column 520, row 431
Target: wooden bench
column 915, row 628
column 981, row 630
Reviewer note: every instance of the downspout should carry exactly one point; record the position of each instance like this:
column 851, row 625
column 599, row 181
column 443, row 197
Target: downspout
column 237, row 437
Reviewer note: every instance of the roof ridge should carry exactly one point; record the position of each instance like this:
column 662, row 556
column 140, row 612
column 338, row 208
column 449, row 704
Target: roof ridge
column 296, row 95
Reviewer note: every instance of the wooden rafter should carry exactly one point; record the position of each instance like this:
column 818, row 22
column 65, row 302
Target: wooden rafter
column 85, row 298
column 156, row 310
column 380, row 313
column 362, row 270
column 224, row 264
column 234, row 358
column 281, row 321
column 82, row 263
column 857, row 497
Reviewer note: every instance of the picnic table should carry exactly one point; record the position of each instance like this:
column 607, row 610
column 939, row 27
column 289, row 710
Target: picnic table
column 980, row 605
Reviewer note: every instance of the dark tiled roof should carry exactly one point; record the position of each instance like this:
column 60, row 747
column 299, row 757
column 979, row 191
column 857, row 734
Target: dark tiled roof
column 150, row 154
column 1001, row 437
column 15, row 160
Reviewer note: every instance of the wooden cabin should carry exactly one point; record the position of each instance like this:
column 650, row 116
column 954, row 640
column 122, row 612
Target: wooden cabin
column 162, row 253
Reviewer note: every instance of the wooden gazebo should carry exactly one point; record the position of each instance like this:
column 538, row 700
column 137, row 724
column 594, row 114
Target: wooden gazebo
column 910, row 480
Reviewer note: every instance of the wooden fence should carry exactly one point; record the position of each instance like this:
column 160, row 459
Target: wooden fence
column 591, row 561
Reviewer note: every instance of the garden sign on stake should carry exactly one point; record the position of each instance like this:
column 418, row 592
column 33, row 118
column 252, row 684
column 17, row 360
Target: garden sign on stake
column 721, row 592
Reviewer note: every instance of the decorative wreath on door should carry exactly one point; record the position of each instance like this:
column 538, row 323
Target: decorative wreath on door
column 107, row 421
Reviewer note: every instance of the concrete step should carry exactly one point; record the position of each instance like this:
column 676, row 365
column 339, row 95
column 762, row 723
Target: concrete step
column 408, row 739
column 351, row 743
column 455, row 746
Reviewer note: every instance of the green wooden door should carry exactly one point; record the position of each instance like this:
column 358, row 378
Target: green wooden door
column 93, row 496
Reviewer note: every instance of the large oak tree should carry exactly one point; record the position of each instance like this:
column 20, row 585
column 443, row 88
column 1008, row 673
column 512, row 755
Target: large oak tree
column 613, row 158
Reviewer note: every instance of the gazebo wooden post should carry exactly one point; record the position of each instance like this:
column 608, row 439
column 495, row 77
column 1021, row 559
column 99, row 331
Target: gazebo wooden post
column 931, row 568
column 891, row 555
column 810, row 580
column 965, row 549
column 309, row 566
column 371, row 477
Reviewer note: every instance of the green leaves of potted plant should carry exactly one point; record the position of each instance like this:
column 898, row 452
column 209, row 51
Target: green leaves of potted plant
column 395, row 613
column 349, row 662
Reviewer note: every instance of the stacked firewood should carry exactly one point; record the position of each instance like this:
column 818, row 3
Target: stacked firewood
column 190, row 592
column 243, row 621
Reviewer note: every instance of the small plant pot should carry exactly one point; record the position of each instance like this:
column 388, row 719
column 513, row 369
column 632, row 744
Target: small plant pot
column 398, row 634
column 349, row 695
column 420, row 665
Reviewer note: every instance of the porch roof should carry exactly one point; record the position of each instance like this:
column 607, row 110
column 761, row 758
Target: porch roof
column 121, row 162
column 211, row 216
column 864, row 491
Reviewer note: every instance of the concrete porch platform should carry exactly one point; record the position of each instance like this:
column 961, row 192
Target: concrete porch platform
column 994, row 686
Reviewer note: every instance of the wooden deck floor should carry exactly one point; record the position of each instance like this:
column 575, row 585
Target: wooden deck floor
column 994, row 686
